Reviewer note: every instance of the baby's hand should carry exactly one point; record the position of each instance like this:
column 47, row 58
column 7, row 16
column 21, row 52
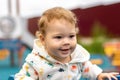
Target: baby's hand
column 108, row 76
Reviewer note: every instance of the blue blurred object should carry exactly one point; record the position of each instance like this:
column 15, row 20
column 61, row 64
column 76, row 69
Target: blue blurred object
column 11, row 77
column 14, row 46
column 10, row 44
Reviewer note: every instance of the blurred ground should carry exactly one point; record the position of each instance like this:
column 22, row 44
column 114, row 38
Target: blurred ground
column 6, row 69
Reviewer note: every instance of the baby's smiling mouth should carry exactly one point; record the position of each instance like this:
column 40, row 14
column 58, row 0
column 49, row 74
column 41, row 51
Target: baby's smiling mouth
column 65, row 50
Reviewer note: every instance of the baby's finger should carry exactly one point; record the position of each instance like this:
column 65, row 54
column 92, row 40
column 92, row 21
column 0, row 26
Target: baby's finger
column 115, row 73
column 114, row 77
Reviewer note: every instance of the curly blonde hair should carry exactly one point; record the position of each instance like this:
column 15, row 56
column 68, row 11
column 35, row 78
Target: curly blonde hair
column 55, row 13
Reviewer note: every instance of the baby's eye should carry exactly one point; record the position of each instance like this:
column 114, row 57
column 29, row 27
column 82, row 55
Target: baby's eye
column 71, row 36
column 58, row 37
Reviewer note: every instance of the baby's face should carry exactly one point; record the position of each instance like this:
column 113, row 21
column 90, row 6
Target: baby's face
column 60, row 39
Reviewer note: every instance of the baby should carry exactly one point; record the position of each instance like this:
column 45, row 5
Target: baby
column 56, row 54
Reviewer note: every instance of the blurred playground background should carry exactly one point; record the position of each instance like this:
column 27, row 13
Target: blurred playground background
column 98, row 26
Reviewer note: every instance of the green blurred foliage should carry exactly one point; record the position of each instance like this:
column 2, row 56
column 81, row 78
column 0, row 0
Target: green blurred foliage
column 98, row 37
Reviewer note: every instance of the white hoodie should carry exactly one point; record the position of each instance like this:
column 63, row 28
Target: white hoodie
column 40, row 66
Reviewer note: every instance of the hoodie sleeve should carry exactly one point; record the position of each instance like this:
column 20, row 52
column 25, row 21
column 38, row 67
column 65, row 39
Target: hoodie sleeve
column 90, row 70
column 26, row 73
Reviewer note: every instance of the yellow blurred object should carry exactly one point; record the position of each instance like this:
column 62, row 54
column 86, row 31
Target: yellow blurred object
column 96, row 61
column 116, row 62
column 4, row 53
column 116, row 58
column 109, row 51
column 112, row 50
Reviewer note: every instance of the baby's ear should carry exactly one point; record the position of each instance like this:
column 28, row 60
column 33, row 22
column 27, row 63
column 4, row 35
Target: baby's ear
column 37, row 34
column 41, row 37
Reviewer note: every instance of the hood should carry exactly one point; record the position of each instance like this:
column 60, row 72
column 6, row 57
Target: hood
column 80, row 54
